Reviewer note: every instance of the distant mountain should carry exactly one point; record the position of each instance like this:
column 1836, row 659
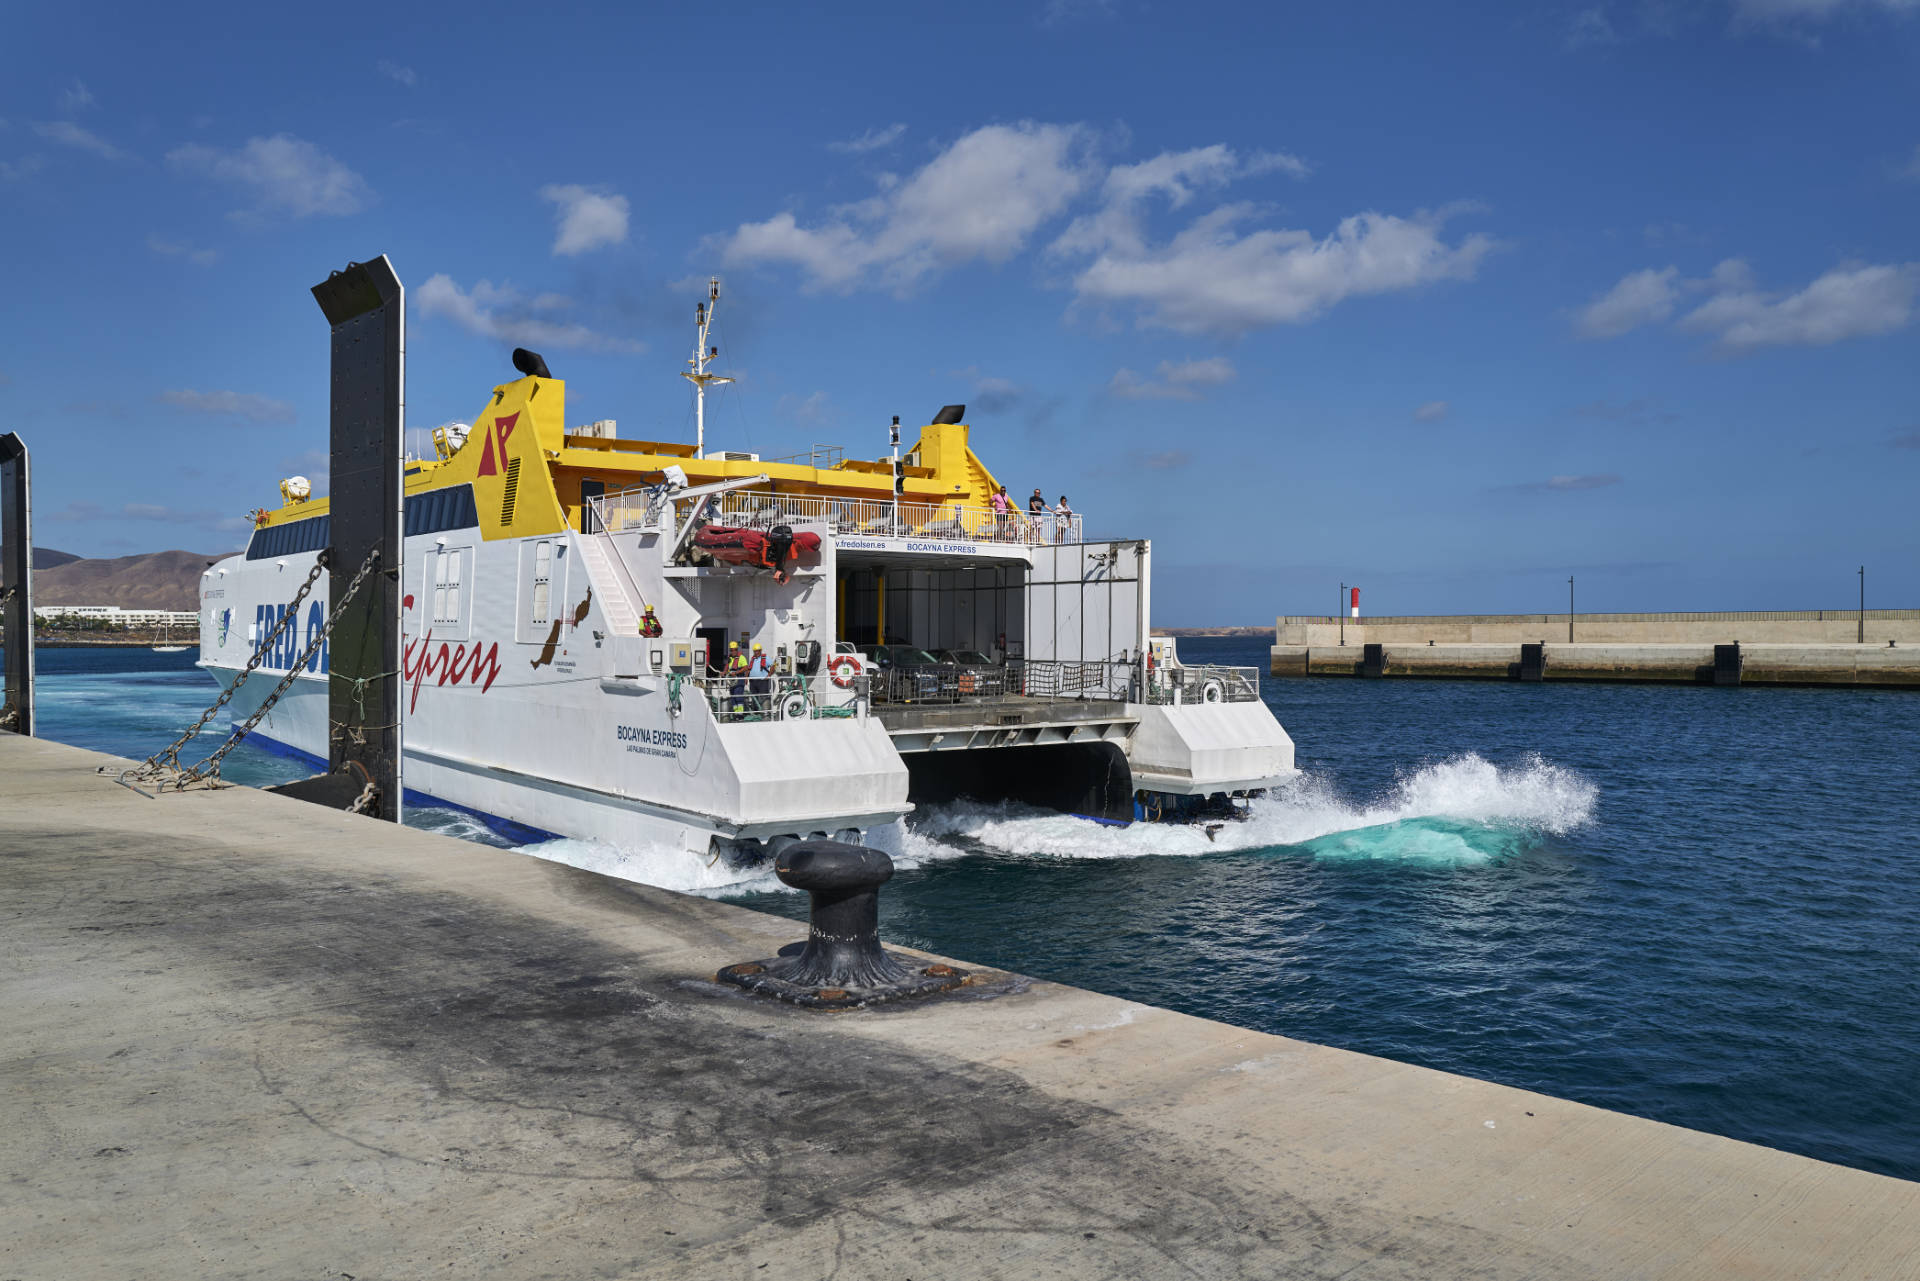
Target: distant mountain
column 157, row 580
column 46, row 557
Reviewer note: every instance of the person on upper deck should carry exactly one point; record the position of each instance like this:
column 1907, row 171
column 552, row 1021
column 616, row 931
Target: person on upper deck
column 1062, row 521
column 1036, row 511
column 1001, row 512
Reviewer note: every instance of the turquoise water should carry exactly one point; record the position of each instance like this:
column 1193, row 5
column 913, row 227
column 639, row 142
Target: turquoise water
column 1699, row 905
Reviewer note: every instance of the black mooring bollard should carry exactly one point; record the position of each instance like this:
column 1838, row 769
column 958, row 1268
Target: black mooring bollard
column 842, row 964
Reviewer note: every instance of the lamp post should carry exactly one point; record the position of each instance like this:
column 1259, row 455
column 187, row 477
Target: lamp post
column 1569, row 609
column 1340, row 608
column 1862, row 638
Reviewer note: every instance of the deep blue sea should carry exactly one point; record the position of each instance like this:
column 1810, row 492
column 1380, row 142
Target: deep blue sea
column 1694, row 904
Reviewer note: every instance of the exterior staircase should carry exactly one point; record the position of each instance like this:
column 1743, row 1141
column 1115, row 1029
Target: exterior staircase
column 611, row 584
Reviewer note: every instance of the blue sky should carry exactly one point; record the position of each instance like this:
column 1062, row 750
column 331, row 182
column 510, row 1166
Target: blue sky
column 1446, row 301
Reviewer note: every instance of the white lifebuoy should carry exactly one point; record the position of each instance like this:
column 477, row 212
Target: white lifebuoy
column 843, row 669
column 1213, row 692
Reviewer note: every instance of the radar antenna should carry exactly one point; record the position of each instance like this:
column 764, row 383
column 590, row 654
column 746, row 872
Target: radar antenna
column 702, row 353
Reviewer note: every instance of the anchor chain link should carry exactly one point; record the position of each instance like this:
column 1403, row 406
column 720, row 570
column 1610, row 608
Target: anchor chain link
column 160, row 765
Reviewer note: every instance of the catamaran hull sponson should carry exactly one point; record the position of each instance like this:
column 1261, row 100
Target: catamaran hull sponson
column 520, row 800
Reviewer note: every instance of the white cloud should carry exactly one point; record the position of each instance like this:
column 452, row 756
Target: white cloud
column 237, row 404
column 1057, row 12
column 1213, row 278
column 1176, row 175
column 77, row 98
column 1847, row 302
column 1911, row 169
column 1812, row 10
column 981, row 198
column 1590, row 26
column 180, row 249
column 68, row 134
column 1565, row 484
column 284, row 173
column 501, row 313
column 1851, row 301
column 1640, row 298
column 587, row 219
column 1181, row 381
column 871, row 140
column 1431, row 412
column 398, row 74
column 22, row 169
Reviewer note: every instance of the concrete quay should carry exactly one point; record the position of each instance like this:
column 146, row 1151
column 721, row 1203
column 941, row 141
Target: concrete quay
column 1693, row 664
column 246, row 1037
column 1873, row 627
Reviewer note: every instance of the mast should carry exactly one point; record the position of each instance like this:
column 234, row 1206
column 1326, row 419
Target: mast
column 702, row 353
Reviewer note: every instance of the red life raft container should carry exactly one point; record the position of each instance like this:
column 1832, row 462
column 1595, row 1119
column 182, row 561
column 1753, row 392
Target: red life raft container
column 778, row 549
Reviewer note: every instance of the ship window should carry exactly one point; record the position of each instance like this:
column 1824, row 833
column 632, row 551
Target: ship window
column 542, row 580
column 438, row 510
column 448, row 583
column 274, row 541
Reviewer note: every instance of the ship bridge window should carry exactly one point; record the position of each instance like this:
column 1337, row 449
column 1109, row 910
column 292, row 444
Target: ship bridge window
column 274, row 541
column 433, row 512
column 439, row 510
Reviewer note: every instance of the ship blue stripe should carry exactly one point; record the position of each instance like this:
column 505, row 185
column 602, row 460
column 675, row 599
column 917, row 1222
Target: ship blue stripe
column 509, row 829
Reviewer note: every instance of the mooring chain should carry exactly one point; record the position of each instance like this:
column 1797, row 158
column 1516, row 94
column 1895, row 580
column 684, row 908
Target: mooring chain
column 209, row 770
column 363, row 800
column 167, row 761
column 168, row 758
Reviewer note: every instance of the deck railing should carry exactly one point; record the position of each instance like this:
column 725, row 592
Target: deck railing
column 851, row 517
column 743, row 698
column 1202, row 683
column 777, row 698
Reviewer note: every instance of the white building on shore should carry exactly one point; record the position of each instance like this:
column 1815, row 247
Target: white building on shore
column 114, row 616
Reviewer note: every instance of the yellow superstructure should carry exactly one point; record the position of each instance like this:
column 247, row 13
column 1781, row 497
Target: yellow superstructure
column 528, row 473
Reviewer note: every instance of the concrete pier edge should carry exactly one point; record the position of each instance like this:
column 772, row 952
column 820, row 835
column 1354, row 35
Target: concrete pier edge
column 248, row 1037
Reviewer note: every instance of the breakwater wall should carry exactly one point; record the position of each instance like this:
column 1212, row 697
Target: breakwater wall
column 1733, row 663
column 1747, row 627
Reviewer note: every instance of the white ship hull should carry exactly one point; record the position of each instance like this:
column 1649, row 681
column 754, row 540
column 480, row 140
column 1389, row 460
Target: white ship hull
column 531, row 695
column 542, row 735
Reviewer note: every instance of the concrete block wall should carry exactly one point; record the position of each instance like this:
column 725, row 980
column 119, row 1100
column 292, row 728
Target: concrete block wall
column 1774, row 627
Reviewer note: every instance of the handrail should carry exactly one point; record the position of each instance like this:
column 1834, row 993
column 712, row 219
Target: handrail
column 642, row 508
column 1202, row 683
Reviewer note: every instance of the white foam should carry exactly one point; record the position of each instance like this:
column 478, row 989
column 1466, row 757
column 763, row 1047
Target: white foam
column 667, row 866
column 1535, row 795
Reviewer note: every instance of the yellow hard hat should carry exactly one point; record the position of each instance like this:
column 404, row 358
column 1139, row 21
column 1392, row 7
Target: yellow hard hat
column 733, row 644
column 756, row 647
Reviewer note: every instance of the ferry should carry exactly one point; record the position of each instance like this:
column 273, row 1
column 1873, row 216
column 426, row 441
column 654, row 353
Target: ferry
column 643, row 641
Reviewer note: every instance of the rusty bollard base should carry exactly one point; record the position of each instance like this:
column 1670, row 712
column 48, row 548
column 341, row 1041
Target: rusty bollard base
column 919, row 978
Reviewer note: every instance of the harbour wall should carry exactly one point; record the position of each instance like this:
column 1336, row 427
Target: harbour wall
column 1772, row 627
column 1728, row 663
column 248, row 1036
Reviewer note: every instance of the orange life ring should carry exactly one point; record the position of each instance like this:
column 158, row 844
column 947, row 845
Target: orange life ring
column 842, row 669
